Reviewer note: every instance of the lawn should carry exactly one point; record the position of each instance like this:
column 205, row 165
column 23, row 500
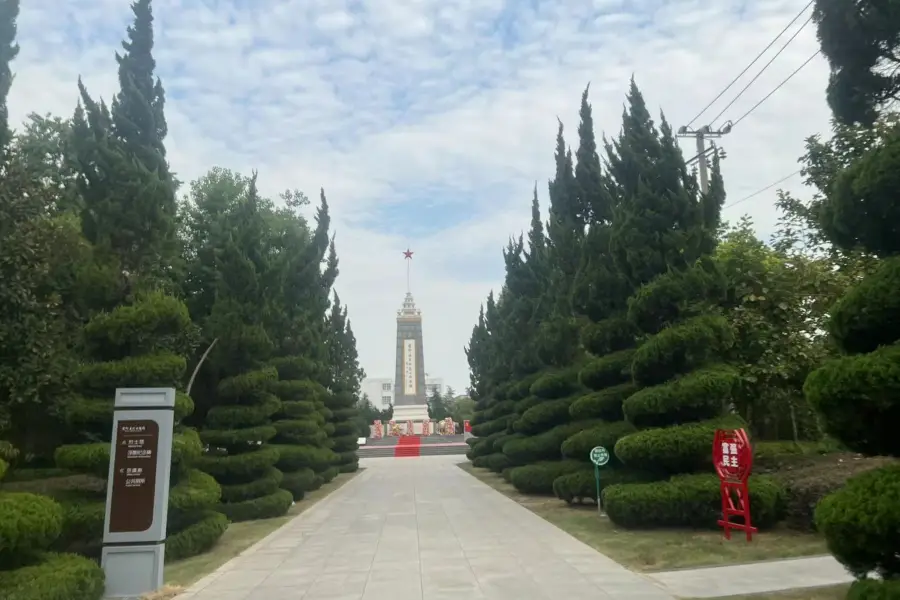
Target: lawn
column 836, row 592
column 659, row 550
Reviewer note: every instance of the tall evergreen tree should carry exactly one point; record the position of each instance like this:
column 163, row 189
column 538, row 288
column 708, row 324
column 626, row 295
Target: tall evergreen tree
column 129, row 195
column 9, row 49
column 346, row 376
column 658, row 221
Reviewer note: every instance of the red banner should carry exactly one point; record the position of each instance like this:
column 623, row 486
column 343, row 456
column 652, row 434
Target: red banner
column 733, row 460
column 467, row 427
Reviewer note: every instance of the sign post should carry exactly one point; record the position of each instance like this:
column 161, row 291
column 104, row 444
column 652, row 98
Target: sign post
column 733, row 459
column 599, row 456
column 137, row 492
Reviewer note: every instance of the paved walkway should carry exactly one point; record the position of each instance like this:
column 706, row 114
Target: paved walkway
column 421, row 529
column 754, row 578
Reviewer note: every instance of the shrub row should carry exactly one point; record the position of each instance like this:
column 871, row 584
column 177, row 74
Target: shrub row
column 582, row 485
column 688, row 501
column 538, row 478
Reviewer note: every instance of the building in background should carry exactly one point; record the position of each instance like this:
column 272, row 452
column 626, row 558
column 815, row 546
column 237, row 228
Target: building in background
column 380, row 390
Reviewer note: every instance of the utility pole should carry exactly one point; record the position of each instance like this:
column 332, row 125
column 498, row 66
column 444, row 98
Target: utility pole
column 704, row 152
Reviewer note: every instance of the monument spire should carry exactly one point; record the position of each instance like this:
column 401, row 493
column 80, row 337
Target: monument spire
column 407, row 255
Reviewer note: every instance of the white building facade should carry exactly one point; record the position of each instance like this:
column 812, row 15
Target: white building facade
column 380, row 390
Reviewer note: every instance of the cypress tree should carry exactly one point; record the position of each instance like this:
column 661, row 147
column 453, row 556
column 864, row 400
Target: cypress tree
column 9, row 49
column 129, row 194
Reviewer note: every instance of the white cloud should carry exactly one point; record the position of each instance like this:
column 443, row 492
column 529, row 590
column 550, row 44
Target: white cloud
column 382, row 102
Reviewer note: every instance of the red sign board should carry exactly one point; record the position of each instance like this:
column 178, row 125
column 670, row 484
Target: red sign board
column 467, row 427
column 733, row 460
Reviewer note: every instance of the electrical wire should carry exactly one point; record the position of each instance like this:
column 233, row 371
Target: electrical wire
column 769, row 95
column 765, row 189
column 761, row 71
column 753, row 62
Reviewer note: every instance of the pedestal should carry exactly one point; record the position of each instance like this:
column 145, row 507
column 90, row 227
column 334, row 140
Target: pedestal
column 412, row 412
column 132, row 570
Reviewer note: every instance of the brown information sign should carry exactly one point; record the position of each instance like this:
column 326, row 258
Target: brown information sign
column 134, row 477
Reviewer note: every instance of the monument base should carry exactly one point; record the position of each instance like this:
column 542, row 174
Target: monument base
column 411, row 413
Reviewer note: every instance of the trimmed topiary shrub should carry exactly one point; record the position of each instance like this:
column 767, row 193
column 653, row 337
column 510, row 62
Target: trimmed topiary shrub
column 579, row 446
column 612, row 369
column 538, row 478
column 696, row 396
column 554, row 385
column 543, row 416
column 343, row 406
column 604, row 404
column 688, row 501
column 300, row 425
column 237, row 457
column 138, row 345
column 542, row 447
column 29, row 525
column 859, row 521
column 581, row 485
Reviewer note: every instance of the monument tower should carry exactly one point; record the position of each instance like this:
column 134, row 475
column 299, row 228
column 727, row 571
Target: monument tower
column 410, row 402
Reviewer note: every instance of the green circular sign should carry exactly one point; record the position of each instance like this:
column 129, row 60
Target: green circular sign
column 599, row 456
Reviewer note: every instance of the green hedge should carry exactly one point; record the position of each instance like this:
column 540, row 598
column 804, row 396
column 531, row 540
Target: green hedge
column 544, row 446
column 688, row 501
column 299, row 482
column 554, row 385
column 582, row 485
column 28, row 523
column 54, row 577
column 235, row 468
column 579, row 446
column 538, row 478
column 604, row 404
column 273, row 505
column 153, row 370
column 697, row 396
column 544, row 416
column 681, row 348
column 612, row 369
column 858, row 398
column 248, row 385
column 240, row 416
column 861, row 522
column 677, row 449
column 608, row 336
column 197, row 538
column 263, row 485
column 491, row 427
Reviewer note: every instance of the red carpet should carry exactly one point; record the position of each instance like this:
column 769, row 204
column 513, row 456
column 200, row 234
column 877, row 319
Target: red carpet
column 407, row 446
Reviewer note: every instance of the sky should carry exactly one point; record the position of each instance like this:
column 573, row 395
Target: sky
column 427, row 122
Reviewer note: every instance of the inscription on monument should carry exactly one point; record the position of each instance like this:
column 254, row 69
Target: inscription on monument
column 134, row 476
column 409, row 364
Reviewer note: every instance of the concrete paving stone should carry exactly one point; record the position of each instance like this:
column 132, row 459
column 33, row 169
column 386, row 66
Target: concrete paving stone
column 421, row 529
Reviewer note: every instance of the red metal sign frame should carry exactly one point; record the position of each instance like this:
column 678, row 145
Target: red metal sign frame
column 733, row 460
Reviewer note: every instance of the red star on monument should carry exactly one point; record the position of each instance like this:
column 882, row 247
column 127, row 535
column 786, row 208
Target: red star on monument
column 408, row 254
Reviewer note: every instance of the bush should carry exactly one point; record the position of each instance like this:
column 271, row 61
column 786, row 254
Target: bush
column 28, row 523
column 497, row 462
column 581, row 485
column 677, row 449
column 544, row 446
column 804, row 487
column 526, row 403
column 248, row 385
column 681, row 348
column 697, row 396
column 607, row 336
column 265, row 484
column 154, row 370
column 874, row 589
column 495, row 426
column 275, row 504
column 554, row 385
column 544, row 416
column 196, row 538
column 612, row 369
column 55, row 577
column 605, row 404
column 861, row 522
column 687, row 501
column 538, row 478
column 858, row 398
column 299, row 482
column 235, row 467
column 868, row 315
column 579, row 446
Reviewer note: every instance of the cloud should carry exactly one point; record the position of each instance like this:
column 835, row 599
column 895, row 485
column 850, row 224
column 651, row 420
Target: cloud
column 429, row 122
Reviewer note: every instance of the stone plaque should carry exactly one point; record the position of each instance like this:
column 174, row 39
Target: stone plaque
column 133, row 495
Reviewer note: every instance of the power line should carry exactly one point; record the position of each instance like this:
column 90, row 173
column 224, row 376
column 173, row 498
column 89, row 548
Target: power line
column 769, row 95
column 765, row 189
column 761, row 71
column 753, row 62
